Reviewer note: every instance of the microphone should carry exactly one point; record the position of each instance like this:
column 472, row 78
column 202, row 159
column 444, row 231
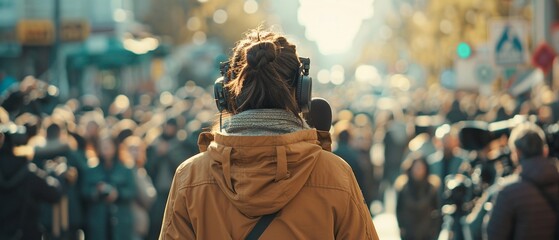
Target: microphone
column 320, row 114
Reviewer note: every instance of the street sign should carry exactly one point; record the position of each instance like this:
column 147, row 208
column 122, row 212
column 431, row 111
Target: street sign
column 74, row 30
column 524, row 81
column 543, row 57
column 476, row 72
column 508, row 40
column 35, row 32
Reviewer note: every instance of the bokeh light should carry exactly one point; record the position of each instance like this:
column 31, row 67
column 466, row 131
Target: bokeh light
column 220, row 16
column 337, row 75
column 199, row 38
column 250, row 6
column 166, row 98
column 368, row 74
column 400, row 82
column 122, row 102
column 323, row 76
column 193, row 23
column 333, row 24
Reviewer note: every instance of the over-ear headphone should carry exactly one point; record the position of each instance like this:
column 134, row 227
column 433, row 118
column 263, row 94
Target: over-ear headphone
column 221, row 93
column 302, row 84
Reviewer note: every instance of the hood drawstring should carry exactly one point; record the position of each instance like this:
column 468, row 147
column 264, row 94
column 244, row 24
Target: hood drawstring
column 281, row 172
column 226, row 165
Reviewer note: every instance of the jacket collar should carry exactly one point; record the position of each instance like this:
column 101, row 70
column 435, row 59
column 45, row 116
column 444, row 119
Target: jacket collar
column 324, row 139
column 540, row 170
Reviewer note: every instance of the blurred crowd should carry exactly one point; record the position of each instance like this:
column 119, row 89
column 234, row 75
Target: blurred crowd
column 105, row 172
column 444, row 153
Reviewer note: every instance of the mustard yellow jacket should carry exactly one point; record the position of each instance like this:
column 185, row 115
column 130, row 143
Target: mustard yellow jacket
column 222, row 192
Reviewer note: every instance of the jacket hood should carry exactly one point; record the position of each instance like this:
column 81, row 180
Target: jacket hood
column 540, row 170
column 261, row 174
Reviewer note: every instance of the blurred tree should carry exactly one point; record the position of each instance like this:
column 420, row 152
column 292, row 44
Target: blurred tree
column 429, row 32
column 185, row 21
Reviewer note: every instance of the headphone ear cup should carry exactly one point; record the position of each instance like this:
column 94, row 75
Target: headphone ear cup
column 220, row 94
column 304, row 88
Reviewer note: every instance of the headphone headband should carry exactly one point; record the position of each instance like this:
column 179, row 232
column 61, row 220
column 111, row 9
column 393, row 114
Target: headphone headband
column 303, row 86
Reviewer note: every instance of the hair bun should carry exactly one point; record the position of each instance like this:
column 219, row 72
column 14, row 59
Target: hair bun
column 261, row 54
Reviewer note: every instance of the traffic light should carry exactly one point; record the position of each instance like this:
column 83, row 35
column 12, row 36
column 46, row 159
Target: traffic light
column 464, row 50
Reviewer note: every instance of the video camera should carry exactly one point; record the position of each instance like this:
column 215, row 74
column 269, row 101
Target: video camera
column 477, row 135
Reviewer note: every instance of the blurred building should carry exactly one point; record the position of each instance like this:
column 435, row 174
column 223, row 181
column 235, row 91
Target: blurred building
column 100, row 50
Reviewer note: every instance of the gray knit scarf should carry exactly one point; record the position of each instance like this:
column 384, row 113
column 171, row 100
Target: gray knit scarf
column 262, row 122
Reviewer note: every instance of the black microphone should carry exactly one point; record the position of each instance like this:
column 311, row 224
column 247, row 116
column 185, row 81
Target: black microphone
column 320, row 114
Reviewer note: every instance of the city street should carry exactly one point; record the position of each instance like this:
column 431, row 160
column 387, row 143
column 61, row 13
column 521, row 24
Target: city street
column 204, row 119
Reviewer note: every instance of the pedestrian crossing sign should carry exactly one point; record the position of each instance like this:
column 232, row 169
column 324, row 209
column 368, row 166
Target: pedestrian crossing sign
column 509, row 41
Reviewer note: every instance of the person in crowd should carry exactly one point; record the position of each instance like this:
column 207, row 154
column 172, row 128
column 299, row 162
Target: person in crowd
column 417, row 202
column 362, row 141
column 456, row 113
column 350, row 155
column 448, row 159
column 395, row 143
column 14, row 94
column 425, row 129
column 91, row 124
column 164, row 156
column 32, row 124
column 134, row 154
column 59, row 151
column 109, row 189
column 526, row 207
column 122, row 130
column 263, row 160
column 22, row 187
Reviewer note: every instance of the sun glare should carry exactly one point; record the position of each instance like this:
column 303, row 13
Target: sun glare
column 333, row 24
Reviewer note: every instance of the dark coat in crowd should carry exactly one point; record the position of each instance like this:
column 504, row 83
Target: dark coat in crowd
column 370, row 183
column 519, row 210
column 416, row 209
column 395, row 145
column 73, row 159
column 109, row 220
column 22, row 187
column 352, row 158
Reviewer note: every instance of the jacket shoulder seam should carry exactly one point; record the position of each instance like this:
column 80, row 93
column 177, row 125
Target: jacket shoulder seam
column 197, row 184
column 328, row 187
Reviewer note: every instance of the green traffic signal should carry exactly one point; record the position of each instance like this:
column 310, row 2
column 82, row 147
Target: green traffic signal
column 464, row 50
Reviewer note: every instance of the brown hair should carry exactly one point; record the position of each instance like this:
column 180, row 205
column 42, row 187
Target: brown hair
column 263, row 71
column 529, row 139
